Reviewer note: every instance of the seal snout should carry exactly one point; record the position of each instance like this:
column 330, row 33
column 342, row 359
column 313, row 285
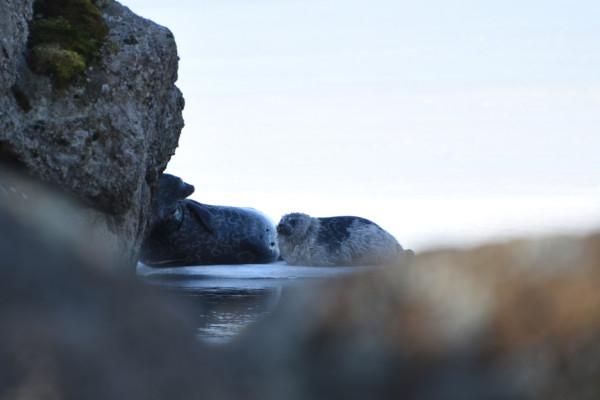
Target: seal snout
column 283, row 229
column 187, row 189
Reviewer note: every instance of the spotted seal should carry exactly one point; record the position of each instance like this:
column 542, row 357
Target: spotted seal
column 186, row 232
column 344, row 240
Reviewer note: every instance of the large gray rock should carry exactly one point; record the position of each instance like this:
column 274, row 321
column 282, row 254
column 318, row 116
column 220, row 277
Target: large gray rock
column 107, row 136
column 14, row 15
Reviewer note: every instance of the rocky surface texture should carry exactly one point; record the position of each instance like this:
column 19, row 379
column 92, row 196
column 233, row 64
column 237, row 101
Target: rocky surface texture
column 104, row 134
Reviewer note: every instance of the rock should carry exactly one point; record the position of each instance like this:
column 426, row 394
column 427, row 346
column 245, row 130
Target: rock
column 517, row 320
column 108, row 135
column 71, row 328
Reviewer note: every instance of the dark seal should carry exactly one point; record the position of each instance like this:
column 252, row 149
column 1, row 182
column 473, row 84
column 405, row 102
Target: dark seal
column 186, row 232
column 343, row 241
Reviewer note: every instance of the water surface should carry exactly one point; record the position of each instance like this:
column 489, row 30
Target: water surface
column 228, row 298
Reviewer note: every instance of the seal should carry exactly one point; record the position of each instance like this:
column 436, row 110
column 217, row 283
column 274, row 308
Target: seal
column 165, row 204
column 186, row 232
column 335, row 241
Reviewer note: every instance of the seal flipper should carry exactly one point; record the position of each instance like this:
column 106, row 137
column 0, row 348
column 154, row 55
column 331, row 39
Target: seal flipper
column 201, row 213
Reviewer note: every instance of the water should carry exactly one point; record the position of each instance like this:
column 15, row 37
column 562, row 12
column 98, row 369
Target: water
column 229, row 298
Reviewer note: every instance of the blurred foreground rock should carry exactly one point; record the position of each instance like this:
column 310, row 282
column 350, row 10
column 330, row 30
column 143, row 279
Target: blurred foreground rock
column 506, row 321
column 106, row 136
column 73, row 329
column 519, row 320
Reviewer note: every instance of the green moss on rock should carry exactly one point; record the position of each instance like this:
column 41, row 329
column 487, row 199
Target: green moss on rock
column 63, row 65
column 82, row 14
column 65, row 37
column 59, row 32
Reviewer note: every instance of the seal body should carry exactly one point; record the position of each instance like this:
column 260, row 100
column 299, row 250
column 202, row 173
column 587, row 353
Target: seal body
column 185, row 232
column 343, row 241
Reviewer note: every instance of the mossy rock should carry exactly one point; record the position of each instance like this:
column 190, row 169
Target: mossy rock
column 63, row 65
column 58, row 31
column 65, row 37
column 82, row 14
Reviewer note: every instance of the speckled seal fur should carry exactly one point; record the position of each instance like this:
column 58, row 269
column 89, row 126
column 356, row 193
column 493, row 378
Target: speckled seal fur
column 347, row 240
column 186, row 232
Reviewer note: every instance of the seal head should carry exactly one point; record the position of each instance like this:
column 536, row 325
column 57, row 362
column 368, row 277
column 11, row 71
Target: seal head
column 294, row 227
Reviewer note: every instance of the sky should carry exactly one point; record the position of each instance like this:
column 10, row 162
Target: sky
column 446, row 122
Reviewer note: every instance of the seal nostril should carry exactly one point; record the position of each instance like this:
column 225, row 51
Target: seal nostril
column 272, row 244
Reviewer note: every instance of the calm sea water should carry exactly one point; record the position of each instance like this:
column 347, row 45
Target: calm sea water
column 227, row 299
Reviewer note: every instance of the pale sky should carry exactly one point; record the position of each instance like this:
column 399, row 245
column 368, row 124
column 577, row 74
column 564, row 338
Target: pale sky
column 446, row 122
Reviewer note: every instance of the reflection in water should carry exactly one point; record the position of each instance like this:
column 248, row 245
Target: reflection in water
column 228, row 299
column 227, row 314
column 221, row 313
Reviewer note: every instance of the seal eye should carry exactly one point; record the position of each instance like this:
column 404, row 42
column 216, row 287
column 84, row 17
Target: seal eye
column 293, row 222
